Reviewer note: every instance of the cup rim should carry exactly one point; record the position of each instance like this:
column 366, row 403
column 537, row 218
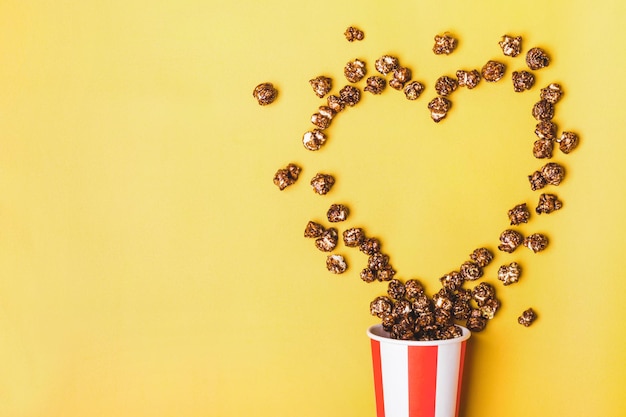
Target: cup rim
column 376, row 332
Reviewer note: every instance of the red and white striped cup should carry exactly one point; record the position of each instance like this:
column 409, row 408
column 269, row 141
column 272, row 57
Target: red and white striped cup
column 415, row 378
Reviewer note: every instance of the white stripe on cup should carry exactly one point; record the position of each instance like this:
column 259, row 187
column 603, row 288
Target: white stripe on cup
column 447, row 379
column 394, row 360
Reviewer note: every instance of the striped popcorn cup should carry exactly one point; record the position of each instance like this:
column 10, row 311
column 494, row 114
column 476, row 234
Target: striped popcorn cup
column 415, row 378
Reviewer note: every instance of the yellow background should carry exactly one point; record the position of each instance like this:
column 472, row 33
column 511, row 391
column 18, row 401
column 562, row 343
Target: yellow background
column 149, row 267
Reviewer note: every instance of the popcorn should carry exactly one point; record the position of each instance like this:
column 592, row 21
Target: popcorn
column 493, row 71
column 471, row 271
column 413, row 90
column 336, row 264
column 354, row 71
column 444, row 44
column 314, row 230
column 350, row 95
column 567, row 141
column 536, row 242
column 287, row 176
column 314, row 139
column 552, row 93
column 482, row 257
column 265, row 93
column 469, row 79
column 354, row 34
column 439, row 107
column 445, row 85
column 328, row 240
column 510, row 240
column 527, row 318
column 386, row 64
column 511, row 46
column 522, row 80
column 509, row 274
column 548, row 203
column 375, row 85
column 337, row 213
column 353, row 237
column 519, row 214
column 537, row 58
column 321, row 85
column 322, row 183
column 543, row 110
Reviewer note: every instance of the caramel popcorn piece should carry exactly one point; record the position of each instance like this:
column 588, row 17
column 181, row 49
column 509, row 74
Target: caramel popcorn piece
column 353, row 237
column 396, row 289
column 328, row 240
column 314, row 230
column 546, row 129
column 553, row 173
column 337, row 213
column 543, row 110
column 542, row 148
column 381, row 306
column 401, row 76
column 471, row 271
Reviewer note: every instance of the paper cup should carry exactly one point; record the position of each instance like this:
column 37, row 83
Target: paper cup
column 417, row 379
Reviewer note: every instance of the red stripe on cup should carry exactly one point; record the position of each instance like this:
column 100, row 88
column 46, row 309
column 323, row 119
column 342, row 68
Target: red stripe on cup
column 458, row 391
column 422, row 380
column 378, row 379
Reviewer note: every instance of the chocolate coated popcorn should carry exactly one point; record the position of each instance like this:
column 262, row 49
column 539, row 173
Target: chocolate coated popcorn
column 396, row 289
column 350, row 95
column 471, row 271
column 546, row 129
column 265, row 93
column 413, row 90
column 386, row 64
column 511, row 46
column 510, row 240
column 321, row 85
column 493, row 71
column 439, row 107
column 469, row 79
column 314, row 230
column 353, row 237
column 537, row 58
column 354, row 34
column 536, row 242
column 548, row 203
column 543, row 110
column 553, row 173
column 370, row 245
column 482, row 256
column 287, row 176
column 322, row 183
column 401, row 76
column 482, row 293
column 375, row 84
column 537, row 181
column 354, row 71
column 567, row 141
column 519, row 214
column 337, row 213
column 444, row 44
column 522, row 80
column 452, row 280
column 552, row 93
column 445, row 85
column 314, row 139
column 413, row 288
column 509, row 274
column 542, row 148
column 381, row 306
column 527, row 318
column 328, row 240
column 335, row 103
column 336, row 264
